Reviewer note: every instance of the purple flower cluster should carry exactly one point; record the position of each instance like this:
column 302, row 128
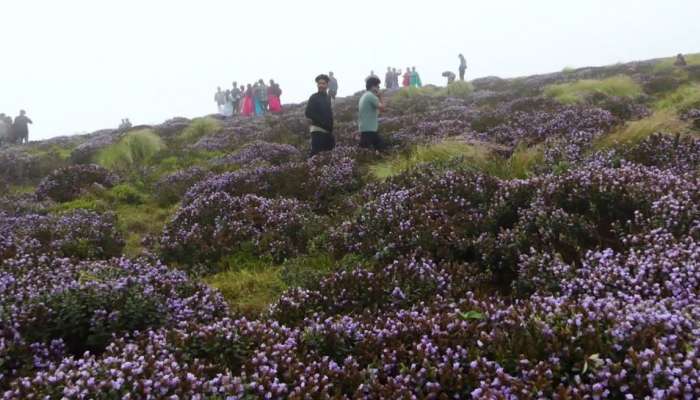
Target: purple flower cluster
column 259, row 151
column 68, row 183
column 217, row 224
column 81, row 234
column 172, row 187
column 55, row 309
column 321, row 180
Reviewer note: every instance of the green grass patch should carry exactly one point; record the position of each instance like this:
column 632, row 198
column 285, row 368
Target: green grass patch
column 575, row 92
column 250, row 284
column 460, row 89
column 469, row 155
column 198, row 128
column 665, row 121
column 136, row 221
column 683, row 98
column 307, row 270
column 135, row 149
column 666, row 65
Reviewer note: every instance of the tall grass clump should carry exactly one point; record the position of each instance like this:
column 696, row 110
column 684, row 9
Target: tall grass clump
column 666, row 65
column 134, row 150
column 461, row 89
column 199, row 128
column 664, row 121
column 575, row 92
column 467, row 155
column 682, row 99
column 429, row 153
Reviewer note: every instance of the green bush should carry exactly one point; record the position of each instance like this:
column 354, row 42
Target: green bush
column 460, row 89
column 307, row 270
column 198, row 128
column 134, row 150
column 575, row 92
column 71, row 315
column 127, row 194
column 682, row 99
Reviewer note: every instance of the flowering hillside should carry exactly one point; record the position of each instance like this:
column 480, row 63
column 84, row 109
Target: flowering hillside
column 526, row 238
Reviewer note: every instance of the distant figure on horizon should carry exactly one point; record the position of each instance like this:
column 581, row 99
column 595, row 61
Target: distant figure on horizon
column 20, row 128
column 407, row 77
column 5, row 129
column 680, row 61
column 248, row 103
column 450, row 76
column 220, row 99
column 371, row 75
column 273, row 97
column 261, row 96
column 125, row 124
column 235, row 98
column 395, row 75
column 332, row 86
column 369, row 106
column 320, row 113
column 389, row 78
column 241, row 95
column 415, row 78
column 462, row 66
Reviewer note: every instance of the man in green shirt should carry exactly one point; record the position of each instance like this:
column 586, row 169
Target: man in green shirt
column 368, row 121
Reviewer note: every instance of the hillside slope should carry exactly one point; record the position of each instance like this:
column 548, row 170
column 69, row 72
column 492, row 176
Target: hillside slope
column 524, row 238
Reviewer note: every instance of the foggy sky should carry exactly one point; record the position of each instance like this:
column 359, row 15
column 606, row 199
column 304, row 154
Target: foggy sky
column 77, row 66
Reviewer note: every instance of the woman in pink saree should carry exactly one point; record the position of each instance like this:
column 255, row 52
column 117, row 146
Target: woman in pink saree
column 248, row 105
column 273, row 95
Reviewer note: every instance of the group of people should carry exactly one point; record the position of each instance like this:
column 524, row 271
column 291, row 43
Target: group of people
column 14, row 132
column 319, row 111
column 391, row 79
column 253, row 99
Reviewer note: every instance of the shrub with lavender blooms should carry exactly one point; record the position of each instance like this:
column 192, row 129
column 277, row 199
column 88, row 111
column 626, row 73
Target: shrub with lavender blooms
column 68, row 183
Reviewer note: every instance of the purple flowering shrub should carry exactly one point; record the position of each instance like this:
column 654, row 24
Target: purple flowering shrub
column 81, row 234
column 55, row 307
column 426, row 211
column 218, row 224
column 170, row 188
column 68, row 183
column 257, row 151
column 321, row 180
column 678, row 153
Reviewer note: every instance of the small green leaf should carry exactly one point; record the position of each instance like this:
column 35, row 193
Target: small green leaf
column 471, row 315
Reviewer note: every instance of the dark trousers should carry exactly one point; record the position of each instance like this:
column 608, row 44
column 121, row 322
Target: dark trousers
column 371, row 140
column 321, row 141
column 461, row 73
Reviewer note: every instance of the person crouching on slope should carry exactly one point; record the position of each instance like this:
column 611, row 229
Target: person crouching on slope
column 369, row 106
column 320, row 113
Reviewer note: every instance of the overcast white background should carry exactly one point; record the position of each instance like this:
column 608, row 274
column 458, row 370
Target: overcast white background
column 77, row 66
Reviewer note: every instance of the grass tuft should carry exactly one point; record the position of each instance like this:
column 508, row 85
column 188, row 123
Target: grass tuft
column 575, row 92
column 133, row 150
column 682, row 99
column 199, row 128
column 664, row 121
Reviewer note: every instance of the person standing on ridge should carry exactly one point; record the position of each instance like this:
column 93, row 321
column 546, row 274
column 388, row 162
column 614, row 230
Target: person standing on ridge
column 320, row 113
column 220, row 99
column 462, row 66
column 261, row 96
column 415, row 78
column 389, row 78
column 273, row 97
column 407, row 77
column 680, row 61
column 370, row 105
column 248, row 104
column 4, row 130
column 396, row 74
column 20, row 129
column 236, row 95
column 371, row 75
column 332, row 86
column 450, row 76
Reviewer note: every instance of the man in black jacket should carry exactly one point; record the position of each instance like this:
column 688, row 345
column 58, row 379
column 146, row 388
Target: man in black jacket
column 319, row 111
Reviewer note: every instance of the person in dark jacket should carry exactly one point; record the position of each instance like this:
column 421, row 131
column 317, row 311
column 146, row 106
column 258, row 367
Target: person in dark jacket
column 20, row 129
column 320, row 113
